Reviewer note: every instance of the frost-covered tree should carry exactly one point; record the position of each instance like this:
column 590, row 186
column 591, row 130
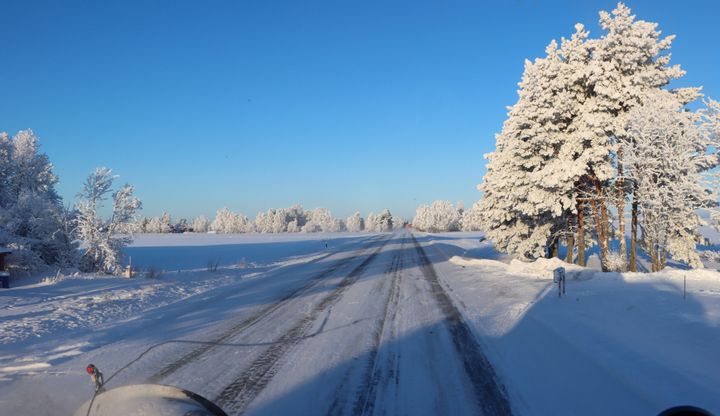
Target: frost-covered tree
column 157, row 225
column 437, row 217
column 558, row 164
column 154, row 225
column 33, row 222
column 296, row 219
column 281, row 220
column 529, row 189
column 69, row 255
column 709, row 123
column 370, row 223
column 181, row 226
column 472, row 219
column 228, row 222
column 665, row 159
column 630, row 62
column 321, row 219
column 293, row 227
column 355, row 223
column 385, row 221
column 103, row 239
column 141, row 226
column 165, row 223
column 379, row 223
column 200, row 224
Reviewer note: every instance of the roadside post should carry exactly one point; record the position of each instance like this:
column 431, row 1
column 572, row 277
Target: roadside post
column 4, row 275
column 559, row 278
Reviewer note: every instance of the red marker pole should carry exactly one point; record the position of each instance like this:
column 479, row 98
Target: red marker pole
column 96, row 376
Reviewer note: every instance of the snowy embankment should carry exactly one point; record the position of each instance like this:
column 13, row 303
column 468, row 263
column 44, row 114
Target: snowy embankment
column 627, row 343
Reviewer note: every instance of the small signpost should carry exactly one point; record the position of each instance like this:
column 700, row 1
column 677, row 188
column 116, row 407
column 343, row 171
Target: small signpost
column 129, row 272
column 559, row 278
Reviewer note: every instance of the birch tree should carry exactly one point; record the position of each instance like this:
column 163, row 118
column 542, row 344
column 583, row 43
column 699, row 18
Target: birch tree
column 103, row 239
column 664, row 160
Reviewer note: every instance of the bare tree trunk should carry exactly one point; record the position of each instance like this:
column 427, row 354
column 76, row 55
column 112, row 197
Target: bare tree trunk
column 663, row 258
column 633, row 232
column 552, row 249
column 569, row 241
column 656, row 255
column 604, row 216
column 555, row 248
column 600, row 234
column 581, row 235
column 651, row 252
column 621, row 208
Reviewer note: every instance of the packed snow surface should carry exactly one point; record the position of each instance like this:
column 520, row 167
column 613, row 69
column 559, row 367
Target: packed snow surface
column 370, row 324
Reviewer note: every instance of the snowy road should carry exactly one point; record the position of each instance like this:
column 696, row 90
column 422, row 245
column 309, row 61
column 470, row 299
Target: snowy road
column 373, row 333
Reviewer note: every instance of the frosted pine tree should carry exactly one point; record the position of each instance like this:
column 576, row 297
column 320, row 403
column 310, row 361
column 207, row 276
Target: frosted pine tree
column 529, row 190
column 559, row 159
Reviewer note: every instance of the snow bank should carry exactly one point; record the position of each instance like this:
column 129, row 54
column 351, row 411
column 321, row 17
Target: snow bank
column 538, row 268
column 543, row 267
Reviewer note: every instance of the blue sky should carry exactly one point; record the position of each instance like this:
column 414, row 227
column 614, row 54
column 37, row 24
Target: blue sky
column 251, row 105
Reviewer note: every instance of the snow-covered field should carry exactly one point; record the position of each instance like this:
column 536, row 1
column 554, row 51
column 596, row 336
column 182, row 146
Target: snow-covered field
column 365, row 326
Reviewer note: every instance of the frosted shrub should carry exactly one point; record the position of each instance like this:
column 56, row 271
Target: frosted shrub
column 615, row 262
